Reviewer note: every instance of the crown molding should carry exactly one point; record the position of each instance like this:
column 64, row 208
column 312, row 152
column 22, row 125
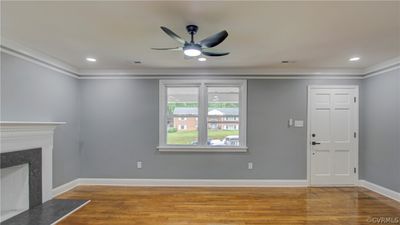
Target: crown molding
column 223, row 77
column 223, row 72
column 40, row 58
column 37, row 57
column 389, row 65
column 381, row 66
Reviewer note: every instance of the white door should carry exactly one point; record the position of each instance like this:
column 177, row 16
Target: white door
column 333, row 135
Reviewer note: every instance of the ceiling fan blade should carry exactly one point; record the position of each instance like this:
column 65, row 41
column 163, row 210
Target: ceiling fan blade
column 170, row 49
column 215, row 53
column 214, row 40
column 173, row 35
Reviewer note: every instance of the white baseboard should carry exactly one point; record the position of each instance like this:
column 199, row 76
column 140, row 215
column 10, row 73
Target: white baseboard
column 194, row 182
column 178, row 183
column 208, row 183
column 65, row 187
column 380, row 190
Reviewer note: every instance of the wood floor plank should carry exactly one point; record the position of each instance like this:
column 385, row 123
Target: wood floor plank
column 229, row 206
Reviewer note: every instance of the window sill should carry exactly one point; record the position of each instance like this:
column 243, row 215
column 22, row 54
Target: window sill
column 200, row 149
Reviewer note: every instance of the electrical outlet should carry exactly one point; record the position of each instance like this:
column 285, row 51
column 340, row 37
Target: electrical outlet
column 250, row 165
column 139, row 164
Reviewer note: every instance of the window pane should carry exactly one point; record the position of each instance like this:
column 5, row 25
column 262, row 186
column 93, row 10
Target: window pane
column 182, row 115
column 223, row 116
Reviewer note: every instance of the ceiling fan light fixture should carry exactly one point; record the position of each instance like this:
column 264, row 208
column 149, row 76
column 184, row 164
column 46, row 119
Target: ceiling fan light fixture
column 192, row 50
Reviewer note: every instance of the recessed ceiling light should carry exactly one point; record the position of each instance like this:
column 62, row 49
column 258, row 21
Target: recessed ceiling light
column 354, row 59
column 202, row 59
column 91, row 59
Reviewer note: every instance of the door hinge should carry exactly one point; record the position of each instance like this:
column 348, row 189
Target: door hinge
column 355, row 170
column 355, row 134
column 355, row 99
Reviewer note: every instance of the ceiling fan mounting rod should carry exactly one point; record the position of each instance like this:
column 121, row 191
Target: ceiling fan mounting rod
column 192, row 30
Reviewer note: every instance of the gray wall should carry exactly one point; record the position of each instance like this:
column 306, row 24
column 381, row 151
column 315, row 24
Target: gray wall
column 380, row 125
column 119, row 126
column 33, row 93
column 114, row 123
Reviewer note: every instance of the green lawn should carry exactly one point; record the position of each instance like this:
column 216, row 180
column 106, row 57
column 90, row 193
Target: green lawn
column 187, row 137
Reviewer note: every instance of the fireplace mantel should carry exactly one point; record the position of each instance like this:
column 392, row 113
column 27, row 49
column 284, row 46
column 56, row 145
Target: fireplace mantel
column 28, row 124
column 22, row 135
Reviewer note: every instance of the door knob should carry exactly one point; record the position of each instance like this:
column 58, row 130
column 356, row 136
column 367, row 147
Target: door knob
column 315, row 143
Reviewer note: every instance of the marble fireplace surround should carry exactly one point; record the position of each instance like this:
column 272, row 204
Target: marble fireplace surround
column 32, row 157
column 32, row 138
column 18, row 135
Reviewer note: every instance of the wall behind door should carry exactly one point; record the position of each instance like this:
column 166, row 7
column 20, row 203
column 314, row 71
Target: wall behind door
column 119, row 126
column 119, row 121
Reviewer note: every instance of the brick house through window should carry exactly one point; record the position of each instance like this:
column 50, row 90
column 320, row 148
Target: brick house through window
column 218, row 119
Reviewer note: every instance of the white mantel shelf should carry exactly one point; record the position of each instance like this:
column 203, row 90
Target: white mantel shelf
column 30, row 123
column 10, row 127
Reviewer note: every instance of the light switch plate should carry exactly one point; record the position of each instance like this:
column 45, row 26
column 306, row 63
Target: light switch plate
column 298, row 123
column 139, row 164
column 290, row 122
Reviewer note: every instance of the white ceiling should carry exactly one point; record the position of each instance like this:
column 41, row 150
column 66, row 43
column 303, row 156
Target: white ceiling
column 317, row 35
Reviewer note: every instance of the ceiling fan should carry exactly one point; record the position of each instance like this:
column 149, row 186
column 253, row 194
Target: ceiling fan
column 192, row 48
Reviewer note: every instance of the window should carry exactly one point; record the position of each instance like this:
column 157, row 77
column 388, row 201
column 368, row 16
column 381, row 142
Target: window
column 223, row 106
column 181, row 112
column 202, row 116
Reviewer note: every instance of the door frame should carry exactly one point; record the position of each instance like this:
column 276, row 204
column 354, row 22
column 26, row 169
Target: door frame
column 356, row 108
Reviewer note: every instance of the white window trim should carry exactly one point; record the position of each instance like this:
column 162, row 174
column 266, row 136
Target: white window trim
column 202, row 118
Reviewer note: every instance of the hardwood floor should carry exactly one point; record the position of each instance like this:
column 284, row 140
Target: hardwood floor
column 229, row 206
